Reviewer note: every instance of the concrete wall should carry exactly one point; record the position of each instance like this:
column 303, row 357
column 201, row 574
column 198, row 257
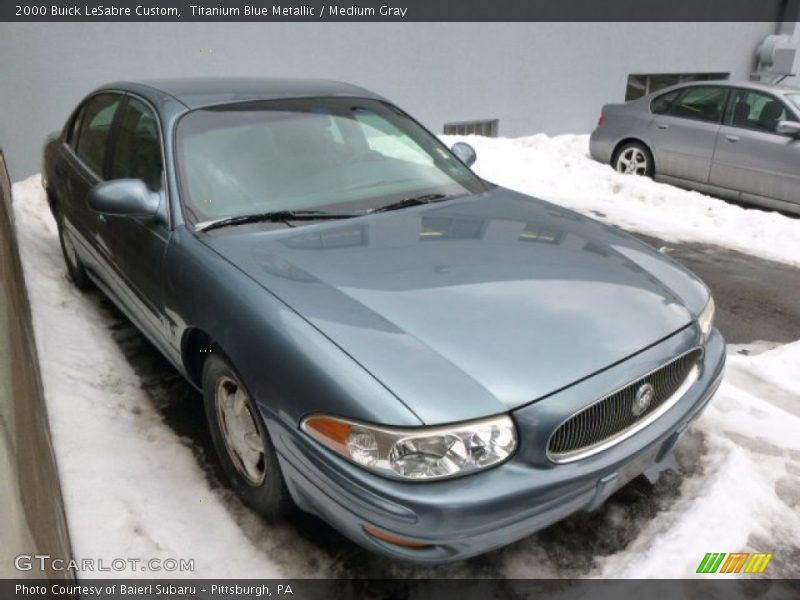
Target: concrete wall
column 32, row 519
column 534, row 77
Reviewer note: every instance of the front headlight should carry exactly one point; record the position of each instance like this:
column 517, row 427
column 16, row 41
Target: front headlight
column 423, row 453
column 706, row 318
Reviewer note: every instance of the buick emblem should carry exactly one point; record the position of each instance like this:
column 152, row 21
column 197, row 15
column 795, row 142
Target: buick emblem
column 644, row 396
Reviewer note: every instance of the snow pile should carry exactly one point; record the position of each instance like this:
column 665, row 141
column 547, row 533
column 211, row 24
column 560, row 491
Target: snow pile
column 559, row 169
column 131, row 487
column 747, row 498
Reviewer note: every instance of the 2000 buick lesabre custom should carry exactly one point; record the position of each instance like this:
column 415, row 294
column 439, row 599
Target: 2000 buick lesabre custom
column 433, row 364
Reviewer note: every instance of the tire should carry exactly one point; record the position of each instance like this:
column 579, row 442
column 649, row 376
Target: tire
column 75, row 269
column 634, row 158
column 250, row 466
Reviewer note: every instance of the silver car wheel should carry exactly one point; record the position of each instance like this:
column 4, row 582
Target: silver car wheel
column 632, row 161
column 242, row 435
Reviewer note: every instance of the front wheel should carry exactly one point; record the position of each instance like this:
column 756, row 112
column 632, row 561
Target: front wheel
column 634, row 158
column 241, row 439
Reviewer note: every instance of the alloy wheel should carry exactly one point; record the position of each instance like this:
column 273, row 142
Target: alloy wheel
column 632, row 161
column 243, row 438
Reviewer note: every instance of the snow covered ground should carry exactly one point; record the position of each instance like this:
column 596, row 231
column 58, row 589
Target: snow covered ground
column 559, row 169
column 134, row 488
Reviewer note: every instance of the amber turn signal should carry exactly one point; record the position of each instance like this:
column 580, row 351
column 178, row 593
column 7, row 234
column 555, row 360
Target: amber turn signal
column 331, row 432
column 393, row 539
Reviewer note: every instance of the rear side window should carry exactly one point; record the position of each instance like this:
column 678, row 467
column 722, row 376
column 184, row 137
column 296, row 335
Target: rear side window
column 756, row 110
column 704, row 103
column 137, row 151
column 661, row 104
column 95, row 125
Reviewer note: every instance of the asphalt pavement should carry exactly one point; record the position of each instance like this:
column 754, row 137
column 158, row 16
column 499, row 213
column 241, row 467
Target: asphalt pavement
column 756, row 300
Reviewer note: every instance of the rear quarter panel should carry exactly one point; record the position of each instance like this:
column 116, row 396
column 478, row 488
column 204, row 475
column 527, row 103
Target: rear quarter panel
column 630, row 120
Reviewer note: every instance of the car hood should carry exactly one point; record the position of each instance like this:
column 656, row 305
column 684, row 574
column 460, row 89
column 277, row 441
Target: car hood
column 472, row 306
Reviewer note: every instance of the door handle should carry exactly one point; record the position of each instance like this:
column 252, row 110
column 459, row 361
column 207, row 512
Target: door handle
column 732, row 138
column 662, row 126
column 102, row 218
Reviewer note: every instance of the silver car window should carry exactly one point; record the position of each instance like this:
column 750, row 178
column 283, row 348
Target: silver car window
column 661, row 104
column 703, row 103
column 794, row 99
column 752, row 109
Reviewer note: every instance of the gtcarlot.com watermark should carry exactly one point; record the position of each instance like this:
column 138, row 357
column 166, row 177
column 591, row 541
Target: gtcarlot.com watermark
column 45, row 562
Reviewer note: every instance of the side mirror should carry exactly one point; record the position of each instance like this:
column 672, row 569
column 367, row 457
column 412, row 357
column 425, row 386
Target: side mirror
column 791, row 128
column 124, row 197
column 465, row 153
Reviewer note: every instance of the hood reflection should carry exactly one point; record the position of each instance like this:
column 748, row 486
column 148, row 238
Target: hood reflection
column 497, row 296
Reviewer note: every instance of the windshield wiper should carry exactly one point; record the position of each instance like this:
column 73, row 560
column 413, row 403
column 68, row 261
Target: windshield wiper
column 413, row 201
column 286, row 216
column 275, row 216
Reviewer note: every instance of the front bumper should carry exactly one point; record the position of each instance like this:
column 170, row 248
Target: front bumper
column 466, row 516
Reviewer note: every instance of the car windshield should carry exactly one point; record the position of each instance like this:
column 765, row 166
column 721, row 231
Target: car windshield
column 337, row 155
column 795, row 99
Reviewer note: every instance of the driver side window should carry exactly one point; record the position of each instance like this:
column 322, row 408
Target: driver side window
column 94, row 128
column 137, row 152
column 756, row 110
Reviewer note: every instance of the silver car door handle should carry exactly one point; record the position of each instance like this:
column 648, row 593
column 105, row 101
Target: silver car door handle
column 102, row 218
column 732, row 138
column 662, row 126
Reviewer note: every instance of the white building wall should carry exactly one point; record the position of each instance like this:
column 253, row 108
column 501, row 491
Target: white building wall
column 533, row 77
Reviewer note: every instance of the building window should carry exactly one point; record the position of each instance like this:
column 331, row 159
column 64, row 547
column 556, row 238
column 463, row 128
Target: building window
column 486, row 128
column 641, row 85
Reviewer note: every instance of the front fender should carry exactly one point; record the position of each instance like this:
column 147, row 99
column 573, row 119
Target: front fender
column 289, row 367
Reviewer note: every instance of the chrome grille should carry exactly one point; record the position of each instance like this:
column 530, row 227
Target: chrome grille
column 609, row 420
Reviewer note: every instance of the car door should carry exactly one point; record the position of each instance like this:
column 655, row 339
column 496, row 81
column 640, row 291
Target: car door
column 751, row 156
column 683, row 138
column 136, row 245
column 84, row 155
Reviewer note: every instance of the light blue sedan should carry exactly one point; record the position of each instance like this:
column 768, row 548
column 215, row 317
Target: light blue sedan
column 433, row 364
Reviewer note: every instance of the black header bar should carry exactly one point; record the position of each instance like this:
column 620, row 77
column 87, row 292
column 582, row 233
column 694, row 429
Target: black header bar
column 398, row 10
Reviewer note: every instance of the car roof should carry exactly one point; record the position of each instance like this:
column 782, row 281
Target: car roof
column 751, row 85
column 197, row 92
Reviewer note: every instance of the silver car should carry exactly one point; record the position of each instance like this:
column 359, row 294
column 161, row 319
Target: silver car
column 738, row 140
